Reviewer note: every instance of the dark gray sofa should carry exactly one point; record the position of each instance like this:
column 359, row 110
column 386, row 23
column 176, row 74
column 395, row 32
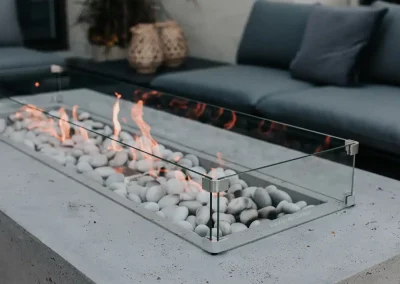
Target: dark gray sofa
column 16, row 61
column 261, row 84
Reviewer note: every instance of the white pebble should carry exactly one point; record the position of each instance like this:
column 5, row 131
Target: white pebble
column 144, row 165
column 105, row 172
column 117, row 185
column 255, row 224
column 214, row 232
column 77, row 153
column 192, row 220
column 248, row 216
column 94, row 176
column 121, row 191
column 185, row 224
column 301, row 204
column 224, row 217
column 196, row 172
column 176, row 175
column 114, row 178
column 98, row 161
column 193, row 159
column 202, row 215
column 29, row 143
column 191, row 205
column 70, row 159
column 152, row 206
column 168, row 200
column 155, row 193
column 234, row 187
column 202, row 230
column 84, row 116
column 161, row 214
column 225, row 228
column 3, row 125
column 84, row 167
column 174, row 186
column 290, row 208
column 203, row 197
column 308, row 207
column 68, row 143
column 119, row 159
column 239, row 204
column 132, row 165
column 186, row 196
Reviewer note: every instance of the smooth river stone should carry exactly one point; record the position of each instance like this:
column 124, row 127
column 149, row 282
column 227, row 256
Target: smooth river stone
column 280, row 205
column 125, row 135
column 225, row 227
column 151, row 183
column 117, row 185
column 216, row 173
column 185, row 224
column 239, row 204
column 268, row 212
column 185, row 163
column 114, row 178
column 161, row 180
column 91, row 150
column 278, row 195
column 98, row 161
column 255, row 223
column 77, row 153
column 192, row 220
column 235, row 187
column 290, row 208
column 281, row 215
column 143, row 180
column 155, row 193
column 202, row 230
column 261, row 198
column 152, row 206
column 176, row 175
column 224, row 217
column 3, row 125
column 119, row 159
column 301, row 204
column 84, row 116
column 242, row 183
column 233, row 177
column 223, row 204
column 175, row 157
column 161, row 214
column 176, row 213
column 105, row 172
column 68, row 143
column 144, row 165
column 109, row 153
column 132, row 165
column 174, row 186
column 186, row 197
column 168, row 200
column 191, row 205
column 247, row 192
column 85, row 158
column 121, row 191
column 94, row 176
column 248, row 216
column 84, row 167
column 196, row 172
column 135, row 198
column 238, row 227
column 29, row 143
column 203, row 197
column 70, row 159
column 193, row 159
column 202, row 215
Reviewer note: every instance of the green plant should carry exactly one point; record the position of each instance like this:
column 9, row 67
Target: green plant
column 109, row 20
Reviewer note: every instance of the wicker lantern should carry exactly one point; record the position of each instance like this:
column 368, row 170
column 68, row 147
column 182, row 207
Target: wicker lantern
column 174, row 43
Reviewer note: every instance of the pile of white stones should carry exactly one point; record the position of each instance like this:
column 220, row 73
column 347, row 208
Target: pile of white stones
column 162, row 187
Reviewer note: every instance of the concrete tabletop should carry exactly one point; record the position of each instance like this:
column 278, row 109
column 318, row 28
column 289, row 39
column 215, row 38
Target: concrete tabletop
column 110, row 244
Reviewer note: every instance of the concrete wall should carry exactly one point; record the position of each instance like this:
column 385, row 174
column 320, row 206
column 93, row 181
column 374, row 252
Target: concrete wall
column 213, row 28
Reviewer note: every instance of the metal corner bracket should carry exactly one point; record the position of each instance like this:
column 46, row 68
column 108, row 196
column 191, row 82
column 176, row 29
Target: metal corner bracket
column 350, row 200
column 352, row 147
column 215, row 185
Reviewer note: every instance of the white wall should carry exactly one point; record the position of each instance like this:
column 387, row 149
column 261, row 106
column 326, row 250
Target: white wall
column 213, row 29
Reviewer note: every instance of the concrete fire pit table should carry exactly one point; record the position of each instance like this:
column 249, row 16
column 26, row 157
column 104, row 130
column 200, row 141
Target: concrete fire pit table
column 55, row 229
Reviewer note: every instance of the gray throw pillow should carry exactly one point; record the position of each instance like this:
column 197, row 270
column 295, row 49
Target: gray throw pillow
column 384, row 59
column 10, row 32
column 333, row 43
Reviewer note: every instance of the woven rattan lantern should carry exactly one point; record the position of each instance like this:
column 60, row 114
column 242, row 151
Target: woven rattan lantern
column 174, row 43
column 145, row 51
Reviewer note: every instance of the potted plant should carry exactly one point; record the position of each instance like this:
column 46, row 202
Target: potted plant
column 108, row 24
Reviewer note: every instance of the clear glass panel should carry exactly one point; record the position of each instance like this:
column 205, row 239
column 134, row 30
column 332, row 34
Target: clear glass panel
column 166, row 152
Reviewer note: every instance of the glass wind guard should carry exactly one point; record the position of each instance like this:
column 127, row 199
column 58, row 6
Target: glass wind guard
column 187, row 162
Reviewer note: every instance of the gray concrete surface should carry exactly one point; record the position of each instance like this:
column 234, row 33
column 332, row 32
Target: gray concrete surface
column 110, row 244
column 25, row 259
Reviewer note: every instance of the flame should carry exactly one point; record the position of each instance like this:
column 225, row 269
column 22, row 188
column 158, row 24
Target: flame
column 64, row 125
column 182, row 104
column 325, row 145
column 220, row 112
column 117, row 126
column 74, row 112
column 231, row 124
column 37, row 84
column 199, row 110
column 146, row 141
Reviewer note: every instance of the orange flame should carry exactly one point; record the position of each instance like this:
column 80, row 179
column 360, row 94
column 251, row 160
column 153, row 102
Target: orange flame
column 220, row 112
column 117, row 125
column 327, row 143
column 182, row 104
column 37, row 84
column 231, row 124
column 74, row 112
column 146, row 141
column 82, row 131
column 64, row 125
column 199, row 110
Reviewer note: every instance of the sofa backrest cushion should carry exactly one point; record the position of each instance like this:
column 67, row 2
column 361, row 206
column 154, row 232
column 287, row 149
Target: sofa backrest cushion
column 10, row 32
column 384, row 54
column 273, row 33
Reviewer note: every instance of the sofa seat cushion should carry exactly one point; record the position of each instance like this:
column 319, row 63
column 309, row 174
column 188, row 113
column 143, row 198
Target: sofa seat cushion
column 20, row 61
column 236, row 87
column 368, row 114
column 9, row 26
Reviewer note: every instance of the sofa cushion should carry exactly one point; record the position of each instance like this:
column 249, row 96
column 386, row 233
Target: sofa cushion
column 9, row 27
column 368, row 114
column 332, row 44
column 384, row 64
column 273, row 33
column 236, row 87
column 23, row 62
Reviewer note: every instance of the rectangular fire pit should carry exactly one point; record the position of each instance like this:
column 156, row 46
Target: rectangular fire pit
column 214, row 188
